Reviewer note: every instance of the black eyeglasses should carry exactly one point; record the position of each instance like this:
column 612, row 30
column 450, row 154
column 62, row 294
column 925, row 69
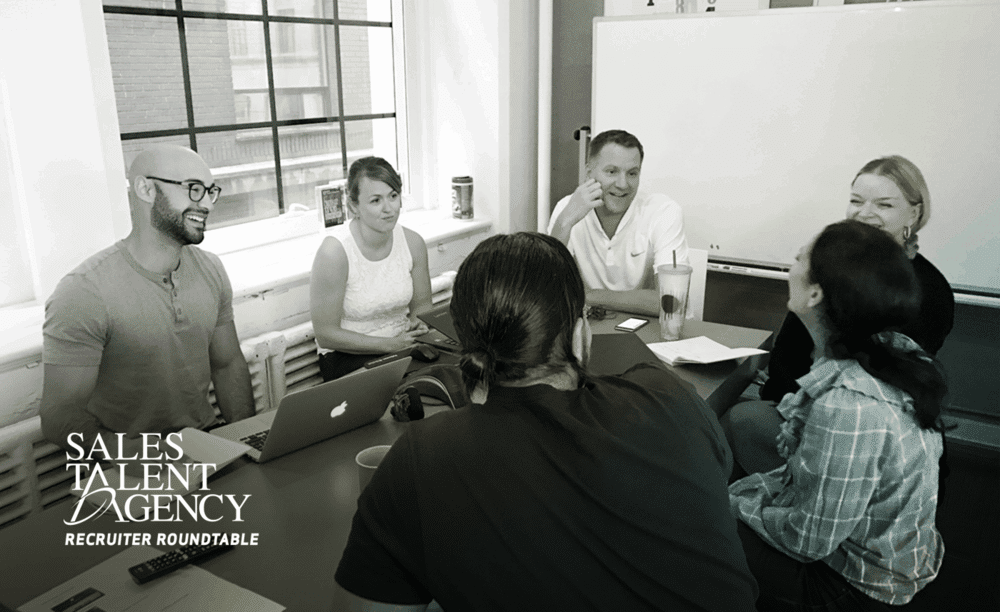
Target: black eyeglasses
column 196, row 191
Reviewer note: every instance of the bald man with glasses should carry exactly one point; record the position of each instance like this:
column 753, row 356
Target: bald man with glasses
column 134, row 334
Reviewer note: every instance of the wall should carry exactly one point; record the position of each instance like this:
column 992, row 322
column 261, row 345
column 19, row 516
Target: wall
column 472, row 104
column 63, row 120
column 452, row 90
column 571, row 57
column 518, row 152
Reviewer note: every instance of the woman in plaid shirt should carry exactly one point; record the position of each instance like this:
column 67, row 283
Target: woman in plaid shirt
column 848, row 522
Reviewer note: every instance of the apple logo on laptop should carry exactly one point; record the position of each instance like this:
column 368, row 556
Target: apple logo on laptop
column 339, row 410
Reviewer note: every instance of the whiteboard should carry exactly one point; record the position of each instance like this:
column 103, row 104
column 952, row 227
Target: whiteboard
column 757, row 122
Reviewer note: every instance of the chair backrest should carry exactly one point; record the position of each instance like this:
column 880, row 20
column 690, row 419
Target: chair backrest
column 696, row 293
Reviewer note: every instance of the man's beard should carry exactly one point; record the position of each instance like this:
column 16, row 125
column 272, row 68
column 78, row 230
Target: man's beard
column 171, row 222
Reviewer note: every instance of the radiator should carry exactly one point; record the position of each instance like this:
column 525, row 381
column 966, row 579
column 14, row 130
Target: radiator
column 33, row 475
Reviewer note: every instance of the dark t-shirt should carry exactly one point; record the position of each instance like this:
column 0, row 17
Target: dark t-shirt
column 791, row 356
column 609, row 497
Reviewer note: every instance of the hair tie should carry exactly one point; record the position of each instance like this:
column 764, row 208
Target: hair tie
column 478, row 366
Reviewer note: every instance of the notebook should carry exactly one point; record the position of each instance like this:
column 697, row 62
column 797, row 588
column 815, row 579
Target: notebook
column 318, row 413
column 442, row 333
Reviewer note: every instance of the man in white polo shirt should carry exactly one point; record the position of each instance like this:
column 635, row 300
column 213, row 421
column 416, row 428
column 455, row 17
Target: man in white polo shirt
column 617, row 234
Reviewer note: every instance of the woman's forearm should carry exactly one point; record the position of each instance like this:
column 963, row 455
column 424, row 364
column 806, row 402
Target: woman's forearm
column 339, row 339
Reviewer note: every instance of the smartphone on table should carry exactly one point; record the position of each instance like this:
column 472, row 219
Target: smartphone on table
column 631, row 324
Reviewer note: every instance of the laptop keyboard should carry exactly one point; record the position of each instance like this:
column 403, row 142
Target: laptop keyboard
column 256, row 440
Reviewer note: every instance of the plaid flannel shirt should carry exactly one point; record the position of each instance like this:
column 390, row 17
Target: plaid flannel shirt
column 859, row 490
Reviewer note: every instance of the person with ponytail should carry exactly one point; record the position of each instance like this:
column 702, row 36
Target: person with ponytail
column 555, row 490
column 847, row 523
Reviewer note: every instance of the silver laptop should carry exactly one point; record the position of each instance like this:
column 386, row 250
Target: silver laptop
column 318, row 413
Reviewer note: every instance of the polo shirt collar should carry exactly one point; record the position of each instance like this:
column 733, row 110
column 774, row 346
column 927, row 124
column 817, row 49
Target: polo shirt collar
column 626, row 218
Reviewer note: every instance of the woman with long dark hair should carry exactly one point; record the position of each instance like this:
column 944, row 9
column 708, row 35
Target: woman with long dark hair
column 848, row 522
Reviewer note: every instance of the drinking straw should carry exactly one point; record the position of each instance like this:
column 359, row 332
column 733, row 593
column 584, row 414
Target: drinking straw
column 675, row 258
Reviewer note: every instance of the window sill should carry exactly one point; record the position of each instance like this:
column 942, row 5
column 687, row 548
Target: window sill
column 21, row 335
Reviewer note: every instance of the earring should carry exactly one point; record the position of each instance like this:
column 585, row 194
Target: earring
column 906, row 232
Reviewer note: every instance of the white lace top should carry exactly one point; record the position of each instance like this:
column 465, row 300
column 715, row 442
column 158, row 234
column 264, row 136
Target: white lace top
column 378, row 294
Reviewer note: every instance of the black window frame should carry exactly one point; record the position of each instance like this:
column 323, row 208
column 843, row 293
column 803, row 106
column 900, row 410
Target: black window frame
column 192, row 131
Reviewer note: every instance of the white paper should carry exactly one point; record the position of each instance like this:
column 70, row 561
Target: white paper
column 698, row 350
column 109, row 587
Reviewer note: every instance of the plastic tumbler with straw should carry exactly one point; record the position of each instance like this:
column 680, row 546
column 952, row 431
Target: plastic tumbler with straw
column 674, row 283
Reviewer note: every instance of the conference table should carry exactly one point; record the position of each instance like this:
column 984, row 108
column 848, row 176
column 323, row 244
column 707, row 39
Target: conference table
column 720, row 384
column 301, row 505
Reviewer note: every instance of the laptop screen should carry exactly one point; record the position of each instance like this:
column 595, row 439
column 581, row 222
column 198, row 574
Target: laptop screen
column 439, row 318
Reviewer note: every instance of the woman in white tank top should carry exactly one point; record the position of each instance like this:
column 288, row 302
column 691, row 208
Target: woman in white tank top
column 369, row 277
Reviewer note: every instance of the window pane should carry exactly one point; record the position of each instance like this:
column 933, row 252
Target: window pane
column 228, row 71
column 242, row 163
column 248, row 7
column 304, row 70
column 372, row 137
column 310, row 157
column 383, row 139
column 359, row 138
column 157, row 4
column 296, row 8
column 365, row 10
column 367, row 70
column 146, row 66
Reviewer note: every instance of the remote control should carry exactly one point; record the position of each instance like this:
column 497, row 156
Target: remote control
column 168, row 562
column 380, row 361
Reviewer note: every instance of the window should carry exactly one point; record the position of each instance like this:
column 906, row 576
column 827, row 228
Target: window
column 278, row 96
